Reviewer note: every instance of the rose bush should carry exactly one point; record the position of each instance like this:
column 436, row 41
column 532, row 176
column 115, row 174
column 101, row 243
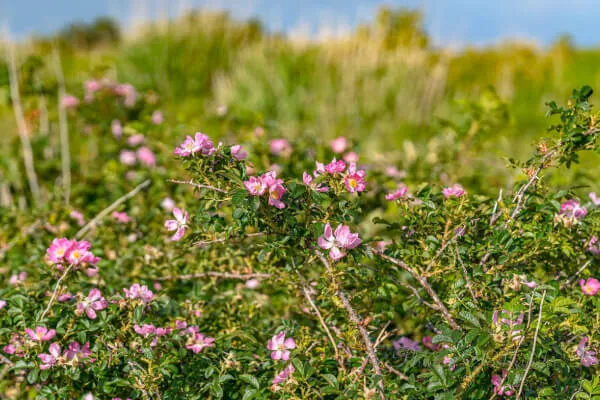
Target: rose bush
column 280, row 268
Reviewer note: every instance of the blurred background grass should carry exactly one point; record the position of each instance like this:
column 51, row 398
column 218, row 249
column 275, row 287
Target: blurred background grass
column 403, row 101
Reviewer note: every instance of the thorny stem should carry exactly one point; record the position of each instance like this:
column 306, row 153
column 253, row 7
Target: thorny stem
column 56, row 288
column 198, row 185
column 224, row 275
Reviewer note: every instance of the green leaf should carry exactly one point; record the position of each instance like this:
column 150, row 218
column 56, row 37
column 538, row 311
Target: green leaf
column 250, row 379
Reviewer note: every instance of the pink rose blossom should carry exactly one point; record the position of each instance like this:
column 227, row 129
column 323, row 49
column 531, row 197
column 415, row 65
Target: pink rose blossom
column 187, row 148
column 255, row 186
column 284, row 374
column 146, row 156
column 136, row 139
column 116, row 128
column 69, row 101
column 200, row 143
column 252, row 284
column 238, row 153
column 77, row 353
column 198, row 342
column 588, row 357
column 572, row 209
column 79, row 253
column 595, row 199
column 276, row 192
column 121, row 217
column 41, row 334
column 338, row 145
column 354, row 180
column 504, row 390
column 92, row 303
column 16, row 279
column 455, row 190
column 400, row 192
column 57, row 250
column 157, row 117
column 167, row 204
column 335, row 167
column 127, row 157
column 128, row 92
column 351, row 157
column 589, row 287
column 280, row 146
column 280, row 346
column 179, row 224
column 139, row 292
column 406, row 344
column 50, row 359
column 337, row 241
column 308, row 181
column 144, row 330
column 2, row 304
column 594, row 246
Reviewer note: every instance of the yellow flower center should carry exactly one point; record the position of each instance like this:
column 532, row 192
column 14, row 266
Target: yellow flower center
column 353, row 183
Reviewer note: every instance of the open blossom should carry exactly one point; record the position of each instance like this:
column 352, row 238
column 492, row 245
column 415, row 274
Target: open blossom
column 141, row 292
column 309, row 181
column 200, row 143
column 16, row 279
column 337, row 241
column 504, row 390
column 146, row 156
column 406, row 343
column 198, row 342
column 92, row 303
column 572, row 209
column 238, row 153
column 70, row 252
column 280, row 346
column 127, row 157
column 157, row 117
column 49, row 359
column 69, row 101
column 589, row 287
column 284, row 374
column 116, row 128
column 136, row 140
column 179, row 224
column 335, row 167
column 144, row 330
column 276, row 192
column 351, row 157
column 280, row 146
column 354, row 180
column 41, row 334
column 77, row 216
column 400, row 192
column 76, row 353
column 588, row 357
column 255, row 186
column 122, row 217
column 455, row 190
column 338, row 145
column 595, row 199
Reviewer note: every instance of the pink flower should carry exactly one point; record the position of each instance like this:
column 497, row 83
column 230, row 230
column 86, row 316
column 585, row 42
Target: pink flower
column 127, row 157
column 594, row 246
column 77, row 216
column 50, row 359
column 41, row 334
column 61, row 298
column 284, row 374
column 255, row 186
column 280, row 146
column 69, row 101
column 588, row 357
column 590, row 287
column 529, row 284
column 428, row 343
column 504, row 390
column 200, row 143
column 167, row 204
column 78, row 353
column 128, row 92
column 157, row 117
column 198, row 342
column 136, row 140
column 92, row 303
column 595, row 199
column 351, row 157
column 280, row 346
column 146, row 156
column 308, row 181
column 16, row 346
column 238, row 153
column 16, row 279
column 179, row 224
column 79, row 253
column 337, row 241
column 122, row 217
column 400, row 192
column 144, row 330
column 116, row 128
column 572, row 209
column 354, row 180
column 335, row 166
column 91, row 86
column 2, row 304
column 139, row 292
column 276, row 192
column 57, row 250
column 394, row 172
column 407, row 344
column 252, row 283
column 338, row 145
column 180, row 324
column 187, row 148
column 455, row 190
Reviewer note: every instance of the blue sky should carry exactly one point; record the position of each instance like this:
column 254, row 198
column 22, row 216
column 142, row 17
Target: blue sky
column 453, row 22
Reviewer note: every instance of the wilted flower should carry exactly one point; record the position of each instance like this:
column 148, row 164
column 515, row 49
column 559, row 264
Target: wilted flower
column 589, row 287
column 284, row 374
column 428, row 343
column 337, row 241
column 92, row 303
column 41, row 334
column 400, row 192
column 50, row 359
column 179, row 224
column 504, row 390
column 198, row 342
column 406, row 344
column 571, row 211
column 77, row 353
column 238, row 153
column 338, row 145
column 280, row 346
column 144, row 330
column 588, row 357
column 455, row 190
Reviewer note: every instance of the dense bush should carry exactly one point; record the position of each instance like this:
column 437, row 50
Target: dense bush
column 291, row 269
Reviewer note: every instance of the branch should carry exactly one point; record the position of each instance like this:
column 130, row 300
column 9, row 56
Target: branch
column 535, row 336
column 207, row 242
column 198, row 185
column 579, row 271
column 56, row 288
column 21, row 124
column 423, row 282
column 466, row 274
column 224, row 275
column 110, row 208
column 494, row 216
column 441, row 250
column 357, row 321
column 63, row 127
